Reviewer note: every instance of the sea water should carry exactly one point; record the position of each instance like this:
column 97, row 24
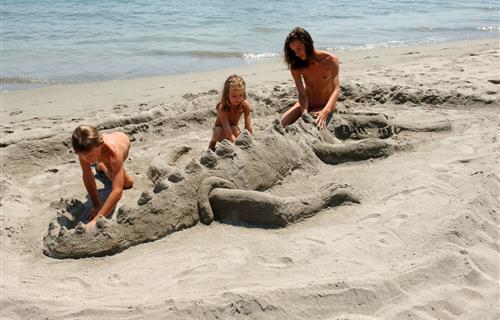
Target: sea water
column 75, row 41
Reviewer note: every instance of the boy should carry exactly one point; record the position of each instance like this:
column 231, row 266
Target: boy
column 108, row 152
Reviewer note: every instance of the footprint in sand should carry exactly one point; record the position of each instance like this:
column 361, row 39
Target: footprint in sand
column 396, row 221
column 368, row 220
column 404, row 194
column 382, row 241
column 275, row 262
column 313, row 246
column 114, row 279
column 391, row 227
column 314, row 241
column 196, row 271
column 238, row 255
column 15, row 113
column 74, row 282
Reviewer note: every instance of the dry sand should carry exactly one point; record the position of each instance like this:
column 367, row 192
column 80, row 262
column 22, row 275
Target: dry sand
column 422, row 244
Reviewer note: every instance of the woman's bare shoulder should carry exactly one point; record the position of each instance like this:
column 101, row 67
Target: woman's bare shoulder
column 325, row 56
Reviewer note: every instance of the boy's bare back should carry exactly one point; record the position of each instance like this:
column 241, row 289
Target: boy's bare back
column 119, row 145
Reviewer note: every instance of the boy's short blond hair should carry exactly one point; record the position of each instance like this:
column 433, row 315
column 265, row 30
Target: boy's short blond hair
column 86, row 138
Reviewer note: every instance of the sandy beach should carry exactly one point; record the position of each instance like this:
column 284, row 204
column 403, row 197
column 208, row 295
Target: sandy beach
column 422, row 243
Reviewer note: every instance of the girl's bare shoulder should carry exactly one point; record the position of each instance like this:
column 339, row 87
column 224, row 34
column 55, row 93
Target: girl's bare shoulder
column 220, row 109
column 246, row 105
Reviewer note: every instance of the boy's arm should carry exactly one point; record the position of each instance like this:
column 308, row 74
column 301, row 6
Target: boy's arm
column 116, row 188
column 225, row 124
column 89, row 182
column 301, row 91
column 247, row 109
column 332, row 101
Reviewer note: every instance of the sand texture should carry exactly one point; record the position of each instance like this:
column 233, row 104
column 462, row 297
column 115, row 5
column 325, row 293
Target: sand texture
column 389, row 213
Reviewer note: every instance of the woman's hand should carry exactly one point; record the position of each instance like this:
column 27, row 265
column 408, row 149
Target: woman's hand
column 321, row 117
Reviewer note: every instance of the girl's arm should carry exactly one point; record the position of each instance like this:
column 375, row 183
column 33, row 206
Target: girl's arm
column 247, row 110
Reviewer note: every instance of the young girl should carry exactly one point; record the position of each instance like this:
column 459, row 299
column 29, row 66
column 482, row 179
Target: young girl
column 232, row 105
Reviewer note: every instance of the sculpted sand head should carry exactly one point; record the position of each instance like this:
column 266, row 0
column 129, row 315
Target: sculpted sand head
column 298, row 48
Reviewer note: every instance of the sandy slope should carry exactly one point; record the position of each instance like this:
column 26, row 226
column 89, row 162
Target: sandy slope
column 423, row 244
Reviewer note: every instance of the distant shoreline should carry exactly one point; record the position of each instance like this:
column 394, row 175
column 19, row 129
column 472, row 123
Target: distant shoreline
column 75, row 99
column 9, row 84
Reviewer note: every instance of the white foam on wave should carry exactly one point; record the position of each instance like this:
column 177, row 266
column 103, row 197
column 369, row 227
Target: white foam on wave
column 253, row 57
column 488, row 29
column 22, row 80
column 389, row 44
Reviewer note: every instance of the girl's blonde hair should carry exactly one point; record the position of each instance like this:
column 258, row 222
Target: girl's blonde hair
column 85, row 138
column 232, row 82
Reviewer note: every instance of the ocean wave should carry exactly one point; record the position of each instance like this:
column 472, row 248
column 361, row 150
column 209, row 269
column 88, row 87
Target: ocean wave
column 436, row 38
column 194, row 53
column 385, row 44
column 22, row 80
column 249, row 57
column 147, row 39
column 488, row 29
column 261, row 29
column 451, row 29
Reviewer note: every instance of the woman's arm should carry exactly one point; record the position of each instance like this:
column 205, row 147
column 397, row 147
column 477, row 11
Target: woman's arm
column 301, row 91
column 332, row 100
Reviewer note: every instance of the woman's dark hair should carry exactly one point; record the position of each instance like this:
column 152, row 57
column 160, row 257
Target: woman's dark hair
column 291, row 59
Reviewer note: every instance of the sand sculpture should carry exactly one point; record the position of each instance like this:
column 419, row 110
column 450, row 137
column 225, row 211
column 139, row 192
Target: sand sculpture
column 227, row 184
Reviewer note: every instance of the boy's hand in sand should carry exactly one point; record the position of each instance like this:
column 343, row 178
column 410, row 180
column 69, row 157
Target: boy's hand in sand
column 93, row 213
column 91, row 224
